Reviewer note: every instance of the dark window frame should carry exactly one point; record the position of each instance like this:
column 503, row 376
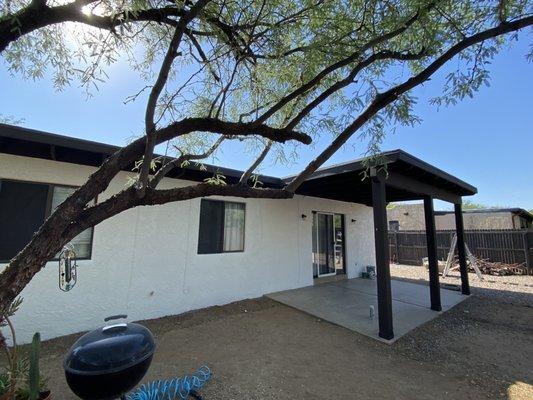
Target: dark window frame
column 48, row 211
column 222, row 251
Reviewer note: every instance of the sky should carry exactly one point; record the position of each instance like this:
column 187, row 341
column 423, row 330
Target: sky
column 486, row 141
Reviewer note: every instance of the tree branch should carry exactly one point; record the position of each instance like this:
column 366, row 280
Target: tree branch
column 384, row 99
column 29, row 19
column 349, row 79
column 162, row 78
column 126, row 156
column 246, row 175
column 128, row 199
column 177, row 162
column 202, row 55
column 340, row 64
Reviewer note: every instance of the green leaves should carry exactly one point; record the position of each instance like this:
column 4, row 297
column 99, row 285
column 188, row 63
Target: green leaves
column 239, row 59
column 216, row 179
column 10, row 310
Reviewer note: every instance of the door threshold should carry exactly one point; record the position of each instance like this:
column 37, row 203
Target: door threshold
column 331, row 278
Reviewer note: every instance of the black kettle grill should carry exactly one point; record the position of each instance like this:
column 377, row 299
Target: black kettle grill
column 108, row 362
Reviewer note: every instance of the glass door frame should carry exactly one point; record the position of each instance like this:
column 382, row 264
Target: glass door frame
column 316, row 233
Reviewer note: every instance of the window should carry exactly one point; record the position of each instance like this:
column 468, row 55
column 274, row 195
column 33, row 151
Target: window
column 221, row 227
column 394, row 226
column 23, row 208
column 83, row 242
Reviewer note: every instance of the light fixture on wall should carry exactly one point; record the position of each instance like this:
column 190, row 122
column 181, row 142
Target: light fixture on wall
column 304, row 217
column 354, row 220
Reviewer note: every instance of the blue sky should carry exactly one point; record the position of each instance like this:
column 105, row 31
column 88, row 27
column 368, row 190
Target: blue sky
column 486, row 141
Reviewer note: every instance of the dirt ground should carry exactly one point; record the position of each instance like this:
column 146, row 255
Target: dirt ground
column 259, row 349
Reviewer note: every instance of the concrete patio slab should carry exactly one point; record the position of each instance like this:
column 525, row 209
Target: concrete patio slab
column 347, row 303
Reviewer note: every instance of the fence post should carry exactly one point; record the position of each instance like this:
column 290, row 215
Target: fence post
column 397, row 247
column 527, row 251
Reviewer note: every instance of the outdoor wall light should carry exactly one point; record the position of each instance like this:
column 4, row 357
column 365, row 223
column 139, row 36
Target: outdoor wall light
column 304, row 217
column 354, row 220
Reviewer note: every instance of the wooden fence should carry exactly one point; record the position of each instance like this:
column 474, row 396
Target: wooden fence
column 508, row 246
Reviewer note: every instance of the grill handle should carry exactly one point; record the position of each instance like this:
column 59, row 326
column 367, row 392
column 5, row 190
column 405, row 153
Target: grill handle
column 112, row 317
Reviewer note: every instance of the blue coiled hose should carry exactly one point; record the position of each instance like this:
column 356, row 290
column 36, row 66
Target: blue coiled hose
column 173, row 389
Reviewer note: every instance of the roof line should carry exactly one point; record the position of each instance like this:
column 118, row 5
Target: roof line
column 438, row 171
column 42, row 137
column 515, row 210
column 38, row 136
column 391, row 155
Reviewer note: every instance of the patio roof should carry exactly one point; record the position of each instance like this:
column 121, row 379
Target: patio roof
column 409, row 178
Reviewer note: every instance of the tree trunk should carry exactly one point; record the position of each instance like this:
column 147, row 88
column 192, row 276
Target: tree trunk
column 47, row 242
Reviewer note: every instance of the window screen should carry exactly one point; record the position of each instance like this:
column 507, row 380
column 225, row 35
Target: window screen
column 22, row 211
column 23, row 208
column 221, row 227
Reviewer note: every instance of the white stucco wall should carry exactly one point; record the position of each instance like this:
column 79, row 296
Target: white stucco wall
column 145, row 263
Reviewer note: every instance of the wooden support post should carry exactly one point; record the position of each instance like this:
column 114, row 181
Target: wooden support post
column 382, row 256
column 431, row 239
column 461, row 251
column 397, row 247
column 527, row 252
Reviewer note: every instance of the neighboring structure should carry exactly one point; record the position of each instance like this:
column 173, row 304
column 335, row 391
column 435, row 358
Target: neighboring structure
column 410, row 217
column 489, row 218
column 149, row 262
column 406, row 217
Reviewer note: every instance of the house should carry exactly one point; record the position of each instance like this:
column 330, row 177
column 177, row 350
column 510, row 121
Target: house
column 149, row 262
column 410, row 217
column 487, row 218
column 406, row 217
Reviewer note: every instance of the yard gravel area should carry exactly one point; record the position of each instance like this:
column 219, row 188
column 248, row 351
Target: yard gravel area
column 511, row 288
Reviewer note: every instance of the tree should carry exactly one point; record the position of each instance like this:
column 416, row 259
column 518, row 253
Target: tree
column 471, row 205
column 271, row 73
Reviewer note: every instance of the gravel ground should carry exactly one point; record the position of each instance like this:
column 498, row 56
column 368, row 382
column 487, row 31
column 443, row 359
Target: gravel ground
column 516, row 289
column 259, row 349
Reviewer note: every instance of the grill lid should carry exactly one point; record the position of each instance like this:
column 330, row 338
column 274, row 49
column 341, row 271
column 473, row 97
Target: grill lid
column 110, row 348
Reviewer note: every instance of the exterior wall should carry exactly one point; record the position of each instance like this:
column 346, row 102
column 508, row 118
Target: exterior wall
column 410, row 216
column 145, row 263
column 490, row 220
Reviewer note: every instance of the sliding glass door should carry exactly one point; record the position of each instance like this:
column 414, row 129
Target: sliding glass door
column 328, row 244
